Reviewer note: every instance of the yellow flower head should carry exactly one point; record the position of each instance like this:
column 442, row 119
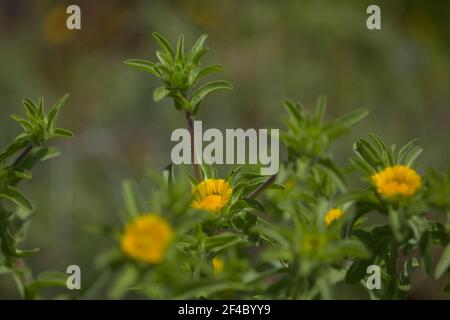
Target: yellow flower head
column 54, row 25
column 147, row 238
column 211, row 195
column 332, row 215
column 217, row 265
column 397, row 180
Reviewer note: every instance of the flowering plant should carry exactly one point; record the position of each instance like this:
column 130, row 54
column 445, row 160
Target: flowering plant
column 16, row 161
column 295, row 235
column 299, row 234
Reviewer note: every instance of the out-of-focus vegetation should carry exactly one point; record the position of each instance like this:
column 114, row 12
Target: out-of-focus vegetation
column 271, row 50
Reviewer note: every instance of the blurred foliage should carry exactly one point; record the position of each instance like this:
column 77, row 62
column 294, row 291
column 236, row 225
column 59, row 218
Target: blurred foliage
column 15, row 208
column 271, row 50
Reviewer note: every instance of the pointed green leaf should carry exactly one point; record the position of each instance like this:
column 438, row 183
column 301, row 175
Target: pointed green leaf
column 41, row 107
column 180, row 48
column 320, row 109
column 130, row 199
column 61, row 132
column 208, row 70
column 17, row 197
column 160, row 93
column 201, row 92
column 196, row 57
column 443, row 264
column 30, row 106
column 164, row 44
column 197, row 47
column 141, row 64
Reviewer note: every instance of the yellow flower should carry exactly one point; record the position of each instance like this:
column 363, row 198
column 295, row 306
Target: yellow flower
column 212, row 195
column 332, row 215
column 217, row 265
column 397, row 180
column 147, row 238
column 54, row 25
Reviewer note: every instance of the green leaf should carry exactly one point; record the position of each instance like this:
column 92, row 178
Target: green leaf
column 380, row 144
column 61, row 132
column 345, row 122
column 320, row 109
column 124, row 280
column 141, row 64
column 222, row 241
column 41, row 107
column 443, row 264
column 196, row 48
column 130, row 199
column 164, row 44
column 196, row 58
column 255, row 204
column 180, row 48
column 412, row 155
column 201, row 92
column 276, row 186
column 23, row 174
column 5, row 270
column 353, row 248
column 50, row 153
column 160, row 93
column 55, row 110
column 45, row 279
column 357, row 271
column 30, row 106
column 16, row 196
column 406, row 149
column 205, row 288
column 208, row 70
column 426, row 257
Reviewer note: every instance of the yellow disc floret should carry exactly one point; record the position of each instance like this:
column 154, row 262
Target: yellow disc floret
column 332, row 215
column 397, row 180
column 147, row 238
column 217, row 264
column 212, row 195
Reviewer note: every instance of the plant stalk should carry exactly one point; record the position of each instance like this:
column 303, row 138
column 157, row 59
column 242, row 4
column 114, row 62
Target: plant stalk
column 197, row 170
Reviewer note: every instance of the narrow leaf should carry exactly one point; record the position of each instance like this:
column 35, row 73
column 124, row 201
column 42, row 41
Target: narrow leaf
column 201, row 92
column 164, row 44
column 443, row 264
column 16, row 196
column 142, row 65
column 160, row 93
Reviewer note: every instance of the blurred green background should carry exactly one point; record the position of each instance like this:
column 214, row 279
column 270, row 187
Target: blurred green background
column 271, row 50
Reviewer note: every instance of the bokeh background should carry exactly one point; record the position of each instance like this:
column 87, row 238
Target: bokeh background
column 271, row 50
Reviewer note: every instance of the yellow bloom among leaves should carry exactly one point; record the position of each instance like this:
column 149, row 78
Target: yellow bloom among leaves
column 397, row 180
column 332, row 215
column 212, row 195
column 147, row 238
column 217, row 264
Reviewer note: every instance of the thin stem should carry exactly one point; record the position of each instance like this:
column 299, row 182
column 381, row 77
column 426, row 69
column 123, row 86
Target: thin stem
column 190, row 122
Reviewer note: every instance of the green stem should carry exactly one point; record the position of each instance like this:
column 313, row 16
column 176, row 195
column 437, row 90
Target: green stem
column 197, row 170
column 392, row 270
